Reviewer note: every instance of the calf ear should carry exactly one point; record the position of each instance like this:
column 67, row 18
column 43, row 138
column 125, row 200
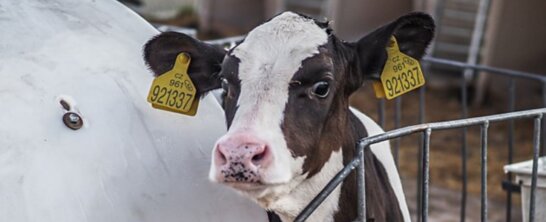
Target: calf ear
column 160, row 54
column 413, row 33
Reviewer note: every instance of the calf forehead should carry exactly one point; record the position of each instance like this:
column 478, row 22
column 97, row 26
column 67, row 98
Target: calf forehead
column 277, row 48
column 269, row 57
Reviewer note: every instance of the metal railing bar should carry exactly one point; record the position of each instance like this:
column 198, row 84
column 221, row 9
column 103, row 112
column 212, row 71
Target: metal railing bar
column 422, row 116
column 536, row 147
column 506, row 72
column 437, row 15
column 426, row 169
column 464, row 147
column 452, row 124
column 361, row 185
column 397, row 124
column 464, row 189
column 543, row 151
column 484, row 202
column 511, row 108
column 420, row 178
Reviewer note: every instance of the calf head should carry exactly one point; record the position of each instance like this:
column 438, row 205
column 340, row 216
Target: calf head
column 285, row 93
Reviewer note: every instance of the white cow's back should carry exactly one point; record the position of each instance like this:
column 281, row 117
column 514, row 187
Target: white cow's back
column 129, row 162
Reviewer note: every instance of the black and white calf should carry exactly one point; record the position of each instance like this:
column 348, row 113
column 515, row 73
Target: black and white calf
column 286, row 91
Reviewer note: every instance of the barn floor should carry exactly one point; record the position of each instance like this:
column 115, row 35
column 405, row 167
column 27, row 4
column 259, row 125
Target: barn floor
column 444, row 205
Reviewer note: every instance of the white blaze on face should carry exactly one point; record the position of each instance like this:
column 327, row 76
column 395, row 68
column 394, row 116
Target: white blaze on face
column 269, row 57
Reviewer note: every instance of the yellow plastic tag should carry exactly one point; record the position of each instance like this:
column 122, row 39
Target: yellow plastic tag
column 174, row 91
column 401, row 73
column 378, row 89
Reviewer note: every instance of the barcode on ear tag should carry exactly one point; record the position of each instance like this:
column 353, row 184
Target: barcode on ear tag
column 174, row 90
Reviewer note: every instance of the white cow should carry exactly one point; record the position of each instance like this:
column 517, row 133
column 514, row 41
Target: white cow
column 128, row 162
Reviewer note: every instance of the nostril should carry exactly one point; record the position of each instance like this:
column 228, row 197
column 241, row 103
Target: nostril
column 220, row 157
column 257, row 159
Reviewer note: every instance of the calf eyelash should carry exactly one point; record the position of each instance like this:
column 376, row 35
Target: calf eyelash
column 295, row 83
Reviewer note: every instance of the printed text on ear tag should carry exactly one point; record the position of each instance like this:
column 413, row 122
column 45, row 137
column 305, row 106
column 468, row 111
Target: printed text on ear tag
column 174, row 91
column 401, row 72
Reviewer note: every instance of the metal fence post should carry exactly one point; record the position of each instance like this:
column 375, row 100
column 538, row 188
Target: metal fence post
column 397, row 124
column 361, row 186
column 543, row 151
column 511, row 107
column 426, row 148
column 484, row 202
column 464, row 144
column 536, row 147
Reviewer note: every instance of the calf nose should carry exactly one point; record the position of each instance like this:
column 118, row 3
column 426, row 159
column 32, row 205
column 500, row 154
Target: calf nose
column 238, row 159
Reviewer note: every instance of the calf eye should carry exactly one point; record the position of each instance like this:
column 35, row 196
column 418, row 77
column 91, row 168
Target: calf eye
column 225, row 84
column 321, row 89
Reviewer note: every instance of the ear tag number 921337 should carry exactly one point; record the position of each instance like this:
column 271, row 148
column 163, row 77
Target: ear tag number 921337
column 174, row 91
column 401, row 73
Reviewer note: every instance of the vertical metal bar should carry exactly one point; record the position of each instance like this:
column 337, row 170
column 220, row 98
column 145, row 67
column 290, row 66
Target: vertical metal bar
column 511, row 107
column 422, row 110
column 422, row 103
column 536, row 147
column 381, row 112
column 397, row 124
column 473, row 53
column 424, row 201
column 422, row 116
column 464, row 155
column 420, row 177
column 543, row 151
column 361, row 186
column 483, row 195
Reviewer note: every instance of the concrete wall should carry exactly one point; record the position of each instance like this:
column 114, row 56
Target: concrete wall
column 515, row 39
column 352, row 19
column 234, row 17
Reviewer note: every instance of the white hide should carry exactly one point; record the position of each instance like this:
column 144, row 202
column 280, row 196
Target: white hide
column 383, row 153
column 269, row 57
column 290, row 205
column 130, row 163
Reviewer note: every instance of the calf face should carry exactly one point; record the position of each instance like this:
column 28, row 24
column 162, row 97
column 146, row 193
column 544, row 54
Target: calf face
column 286, row 89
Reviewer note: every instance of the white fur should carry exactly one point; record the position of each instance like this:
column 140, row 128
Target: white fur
column 290, row 204
column 269, row 57
column 383, row 153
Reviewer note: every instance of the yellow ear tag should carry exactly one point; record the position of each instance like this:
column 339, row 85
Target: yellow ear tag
column 378, row 89
column 174, row 91
column 401, row 73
